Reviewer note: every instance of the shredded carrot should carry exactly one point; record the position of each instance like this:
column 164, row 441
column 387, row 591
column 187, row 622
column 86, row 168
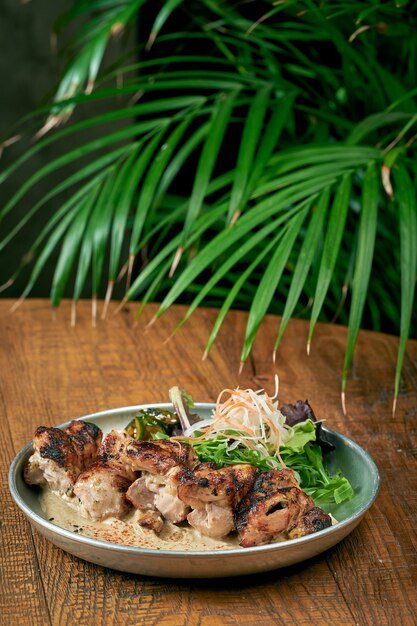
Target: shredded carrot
column 278, row 434
column 253, row 415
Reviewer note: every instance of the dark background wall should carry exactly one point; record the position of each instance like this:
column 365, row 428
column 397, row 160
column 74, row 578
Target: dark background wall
column 29, row 71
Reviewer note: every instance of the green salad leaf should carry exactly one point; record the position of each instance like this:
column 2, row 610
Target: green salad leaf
column 220, row 450
column 315, row 479
column 301, row 443
column 300, row 453
column 303, row 433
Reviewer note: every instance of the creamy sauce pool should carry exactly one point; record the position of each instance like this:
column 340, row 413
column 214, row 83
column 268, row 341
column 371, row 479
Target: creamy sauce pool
column 64, row 512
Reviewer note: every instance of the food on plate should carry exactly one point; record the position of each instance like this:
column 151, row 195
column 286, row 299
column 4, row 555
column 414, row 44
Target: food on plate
column 61, row 455
column 273, row 506
column 160, row 464
column 249, row 427
column 251, row 474
column 314, row 520
column 214, row 494
column 150, row 422
column 101, row 488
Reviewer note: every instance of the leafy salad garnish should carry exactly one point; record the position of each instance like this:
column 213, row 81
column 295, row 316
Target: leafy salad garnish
column 248, row 427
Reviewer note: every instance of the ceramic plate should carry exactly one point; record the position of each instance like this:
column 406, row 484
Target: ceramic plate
column 351, row 459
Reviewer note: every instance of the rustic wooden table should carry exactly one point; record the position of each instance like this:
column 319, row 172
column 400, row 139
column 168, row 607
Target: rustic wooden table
column 51, row 372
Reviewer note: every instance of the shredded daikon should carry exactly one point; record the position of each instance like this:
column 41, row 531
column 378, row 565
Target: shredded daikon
column 249, row 417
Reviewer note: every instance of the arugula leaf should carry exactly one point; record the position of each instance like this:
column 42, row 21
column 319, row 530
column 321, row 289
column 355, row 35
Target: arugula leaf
column 218, row 450
column 314, row 477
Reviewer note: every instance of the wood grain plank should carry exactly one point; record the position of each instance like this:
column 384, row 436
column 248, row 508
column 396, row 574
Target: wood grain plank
column 377, row 562
column 21, row 588
column 54, row 372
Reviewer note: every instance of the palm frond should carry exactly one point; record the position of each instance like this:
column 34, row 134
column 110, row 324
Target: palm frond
column 365, row 250
column 265, row 152
column 307, row 251
column 270, row 280
column 218, row 122
column 331, row 245
column 250, row 136
column 406, row 200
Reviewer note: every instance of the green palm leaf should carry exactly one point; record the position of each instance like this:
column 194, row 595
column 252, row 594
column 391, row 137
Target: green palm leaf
column 85, row 66
column 251, row 112
column 95, row 239
column 218, row 123
column 293, row 158
column 303, row 175
column 125, row 187
column 232, row 260
column 77, row 153
column 115, row 115
column 237, row 286
column 273, row 130
column 250, row 137
column 49, row 247
column 202, row 224
column 374, row 122
column 363, row 264
column 334, row 234
column 178, row 161
column 167, row 8
column 270, row 280
column 152, row 179
column 82, row 173
column 305, row 259
column 69, row 250
column 101, row 223
column 227, row 238
column 406, row 201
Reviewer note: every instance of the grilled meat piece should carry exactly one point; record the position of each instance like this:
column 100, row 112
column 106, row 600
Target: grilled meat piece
column 212, row 520
column 214, row 494
column 86, row 439
column 159, row 456
column 274, row 505
column 151, row 520
column 161, row 463
column 102, row 488
column 225, row 486
column 314, row 520
column 157, row 493
column 140, row 495
column 113, row 451
column 61, row 455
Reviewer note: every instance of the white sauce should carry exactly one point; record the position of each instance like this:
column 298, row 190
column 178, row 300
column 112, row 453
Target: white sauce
column 65, row 512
